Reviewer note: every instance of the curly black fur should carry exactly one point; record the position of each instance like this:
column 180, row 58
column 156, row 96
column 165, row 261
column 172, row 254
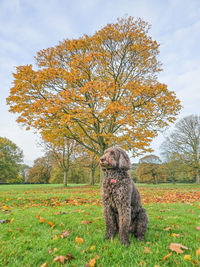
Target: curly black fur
column 122, row 206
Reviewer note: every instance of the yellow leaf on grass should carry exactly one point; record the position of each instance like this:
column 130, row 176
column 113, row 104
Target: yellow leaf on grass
column 198, row 252
column 175, row 235
column 79, row 240
column 147, row 250
column 11, row 220
column 44, row 264
column 167, row 256
column 92, row 262
column 187, row 258
column 92, row 248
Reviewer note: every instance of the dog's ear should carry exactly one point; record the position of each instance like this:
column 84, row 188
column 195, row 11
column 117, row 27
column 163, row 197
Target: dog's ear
column 124, row 161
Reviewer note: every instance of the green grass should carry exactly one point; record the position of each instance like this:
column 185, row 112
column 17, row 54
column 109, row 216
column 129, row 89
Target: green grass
column 28, row 242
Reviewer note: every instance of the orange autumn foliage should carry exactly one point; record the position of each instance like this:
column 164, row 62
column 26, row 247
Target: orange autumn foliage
column 98, row 90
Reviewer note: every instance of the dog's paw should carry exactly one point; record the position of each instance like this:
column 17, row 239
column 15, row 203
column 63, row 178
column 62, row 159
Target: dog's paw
column 125, row 243
column 108, row 236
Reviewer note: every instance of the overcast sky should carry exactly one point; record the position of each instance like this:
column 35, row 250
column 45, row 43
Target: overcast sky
column 27, row 26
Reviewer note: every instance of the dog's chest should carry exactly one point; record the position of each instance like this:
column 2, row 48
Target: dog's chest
column 110, row 191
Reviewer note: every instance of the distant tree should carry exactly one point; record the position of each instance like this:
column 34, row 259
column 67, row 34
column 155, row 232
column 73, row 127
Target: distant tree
column 150, row 169
column 56, row 175
column 11, row 157
column 40, row 173
column 177, row 171
column 133, row 172
column 90, row 161
column 23, row 171
column 153, row 159
column 62, row 151
column 184, row 144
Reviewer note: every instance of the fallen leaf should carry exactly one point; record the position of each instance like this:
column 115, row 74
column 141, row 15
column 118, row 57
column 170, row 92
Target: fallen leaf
column 44, row 264
column 42, row 220
column 92, row 262
column 176, row 262
column 79, row 240
column 198, row 252
column 61, row 259
column 177, row 247
column 142, row 263
column 187, row 257
column 55, row 237
column 96, row 256
column 65, row 234
column 49, row 251
column 92, row 248
column 70, row 257
column 55, row 249
column 86, row 222
column 11, row 220
column 51, row 224
column 159, row 217
column 198, row 228
column 167, row 256
column 167, row 228
column 175, row 235
column 147, row 250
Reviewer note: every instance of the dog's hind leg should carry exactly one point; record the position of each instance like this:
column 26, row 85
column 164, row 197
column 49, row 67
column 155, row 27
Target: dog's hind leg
column 141, row 223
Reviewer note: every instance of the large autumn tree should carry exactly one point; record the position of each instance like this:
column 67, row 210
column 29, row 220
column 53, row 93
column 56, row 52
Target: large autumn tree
column 98, row 90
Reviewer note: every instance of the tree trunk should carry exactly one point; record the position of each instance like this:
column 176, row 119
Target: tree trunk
column 65, row 178
column 197, row 177
column 155, row 178
column 92, row 175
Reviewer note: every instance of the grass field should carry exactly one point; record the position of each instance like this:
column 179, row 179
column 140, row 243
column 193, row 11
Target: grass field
column 47, row 221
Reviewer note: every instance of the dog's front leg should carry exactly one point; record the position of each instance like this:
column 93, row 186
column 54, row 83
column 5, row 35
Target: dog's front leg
column 124, row 223
column 111, row 221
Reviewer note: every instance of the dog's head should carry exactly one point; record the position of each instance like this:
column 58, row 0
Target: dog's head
column 115, row 158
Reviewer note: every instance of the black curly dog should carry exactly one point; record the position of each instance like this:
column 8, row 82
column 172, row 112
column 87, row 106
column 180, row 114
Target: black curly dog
column 122, row 206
